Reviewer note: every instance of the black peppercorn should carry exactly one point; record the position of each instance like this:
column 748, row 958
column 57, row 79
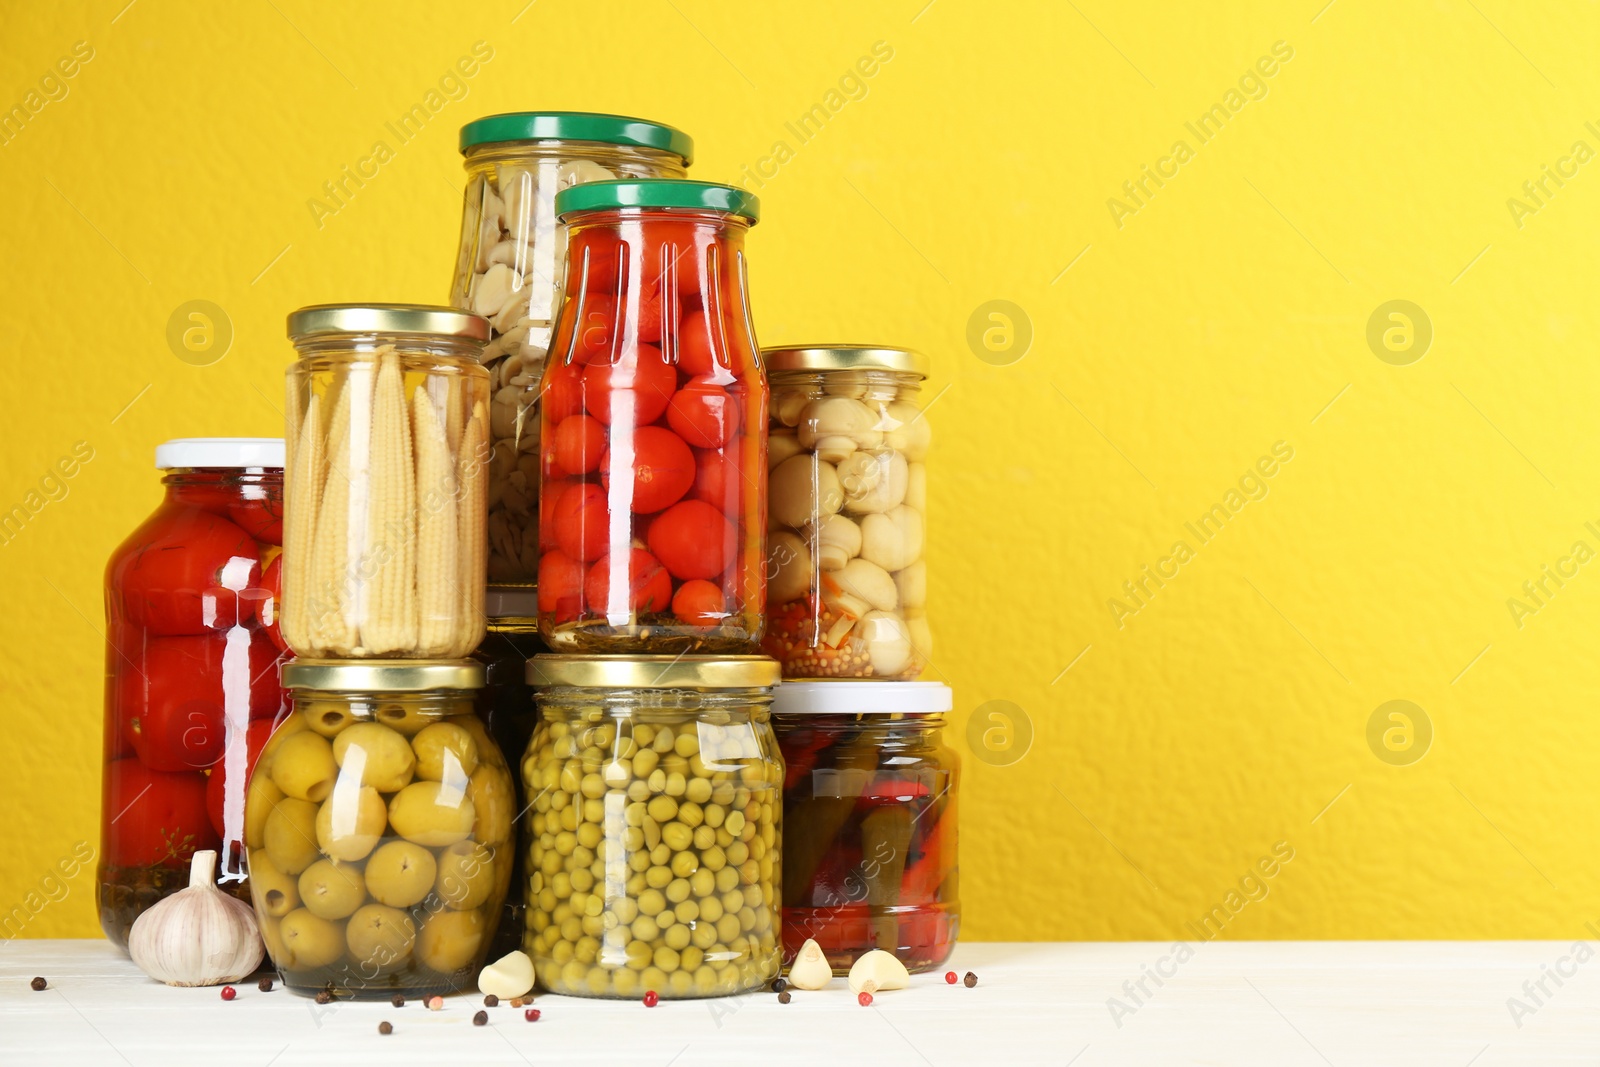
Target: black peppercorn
column 491, row 1001
column 970, row 980
column 779, row 985
column 385, row 1027
column 398, row 1001
column 324, row 997
column 39, row 985
column 265, row 985
column 783, row 997
column 481, row 1019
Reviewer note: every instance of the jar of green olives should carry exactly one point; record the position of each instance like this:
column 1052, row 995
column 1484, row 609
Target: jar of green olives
column 379, row 826
column 654, row 831
column 870, row 796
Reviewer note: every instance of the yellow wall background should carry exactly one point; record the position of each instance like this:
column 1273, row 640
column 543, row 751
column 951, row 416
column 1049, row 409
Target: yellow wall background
column 1173, row 747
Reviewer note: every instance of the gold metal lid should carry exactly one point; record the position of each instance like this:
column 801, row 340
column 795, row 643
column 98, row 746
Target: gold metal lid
column 654, row 672
column 845, row 357
column 321, row 320
column 382, row 675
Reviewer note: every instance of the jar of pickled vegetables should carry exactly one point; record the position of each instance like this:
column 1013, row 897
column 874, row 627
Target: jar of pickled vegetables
column 379, row 824
column 386, row 482
column 505, row 704
column 869, row 799
column 655, row 834
column 654, row 414
column 509, row 269
column 192, row 657
column 846, row 580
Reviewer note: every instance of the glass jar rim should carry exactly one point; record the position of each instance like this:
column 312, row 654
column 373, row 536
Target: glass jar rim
column 665, row 193
column 330, row 320
column 220, row 453
column 652, row 672
column 841, row 357
column 591, row 126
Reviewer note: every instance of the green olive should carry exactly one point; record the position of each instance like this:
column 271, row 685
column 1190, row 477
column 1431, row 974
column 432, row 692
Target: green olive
column 290, row 835
column 327, row 717
column 400, row 873
column 431, row 814
column 405, row 719
column 386, row 762
column 330, row 890
column 450, row 940
column 309, row 942
column 259, row 797
column 349, row 824
column 304, row 768
column 275, row 892
column 380, row 937
column 489, row 789
column 442, row 747
column 466, row 875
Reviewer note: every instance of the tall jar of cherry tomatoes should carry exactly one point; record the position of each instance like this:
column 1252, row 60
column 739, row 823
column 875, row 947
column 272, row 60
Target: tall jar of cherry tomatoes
column 654, row 410
column 192, row 657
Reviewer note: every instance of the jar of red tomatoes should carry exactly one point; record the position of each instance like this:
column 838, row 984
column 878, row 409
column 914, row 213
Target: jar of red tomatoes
column 869, row 815
column 654, row 411
column 509, row 269
column 846, row 581
column 192, row 656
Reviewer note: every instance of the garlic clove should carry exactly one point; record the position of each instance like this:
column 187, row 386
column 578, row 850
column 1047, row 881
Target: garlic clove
column 509, row 976
column 810, row 968
column 876, row 971
column 199, row 935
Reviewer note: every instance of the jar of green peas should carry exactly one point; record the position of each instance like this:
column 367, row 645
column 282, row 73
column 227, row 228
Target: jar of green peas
column 654, row 827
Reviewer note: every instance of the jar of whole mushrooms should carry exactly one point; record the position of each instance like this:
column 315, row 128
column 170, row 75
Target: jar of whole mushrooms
column 388, row 423
column 380, row 821
column 509, row 269
column 847, row 497
column 654, row 833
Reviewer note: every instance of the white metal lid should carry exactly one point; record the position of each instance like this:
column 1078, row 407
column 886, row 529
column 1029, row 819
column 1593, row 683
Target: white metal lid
column 220, row 452
column 839, row 698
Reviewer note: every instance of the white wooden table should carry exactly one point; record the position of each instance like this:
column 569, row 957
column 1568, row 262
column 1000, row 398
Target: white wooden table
column 1315, row 1003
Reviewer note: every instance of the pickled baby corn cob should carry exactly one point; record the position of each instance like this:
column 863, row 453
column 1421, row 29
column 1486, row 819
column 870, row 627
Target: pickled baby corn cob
column 472, row 481
column 330, row 601
column 389, row 615
column 303, row 488
column 439, row 628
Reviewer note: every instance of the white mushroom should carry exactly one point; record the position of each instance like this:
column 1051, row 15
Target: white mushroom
column 801, row 488
column 577, row 171
column 912, row 584
column 853, row 386
column 917, row 486
column 908, row 430
column 838, row 541
column 494, row 288
column 873, row 481
column 836, row 426
column 788, row 568
column 892, row 540
column 780, row 446
column 870, row 582
column 888, row 641
column 789, row 405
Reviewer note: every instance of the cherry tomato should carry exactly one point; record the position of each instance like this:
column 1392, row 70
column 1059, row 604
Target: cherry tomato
column 694, row 345
column 549, row 497
column 693, row 540
column 154, row 818
column 174, row 702
column 699, row 603
column 261, row 518
column 579, row 440
column 266, row 692
column 582, row 522
column 715, row 471
column 663, row 470
column 270, row 606
column 596, row 329
column 703, row 413
column 648, row 321
column 636, row 390
column 562, row 395
column 560, row 586
column 218, row 785
column 649, row 585
column 185, row 573
column 593, row 261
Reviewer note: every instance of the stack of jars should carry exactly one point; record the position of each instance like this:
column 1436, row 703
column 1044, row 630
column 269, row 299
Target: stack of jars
column 870, row 788
column 627, row 478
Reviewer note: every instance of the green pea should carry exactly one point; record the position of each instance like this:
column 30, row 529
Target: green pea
column 686, row 911
column 677, row 836
column 690, row 813
column 644, row 762
column 678, row 890
column 666, row 958
column 684, row 864
column 704, row 837
column 651, row 902
column 657, row 877
column 713, row 815
column 645, row 928
column 703, row 882
column 686, row 743
column 713, row 859
column 676, row 784
column 699, row 789
column 710, row 909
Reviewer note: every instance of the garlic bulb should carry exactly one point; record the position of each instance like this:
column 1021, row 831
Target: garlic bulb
column 199, row 935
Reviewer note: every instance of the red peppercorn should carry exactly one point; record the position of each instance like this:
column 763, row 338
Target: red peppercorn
column 864, row 999
column 228, row 992
column 950, row 977
column 650, row 998
column 532, row 1015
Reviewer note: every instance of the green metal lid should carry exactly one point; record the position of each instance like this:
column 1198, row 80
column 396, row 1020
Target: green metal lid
column 658, row 192
column 577, row 126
